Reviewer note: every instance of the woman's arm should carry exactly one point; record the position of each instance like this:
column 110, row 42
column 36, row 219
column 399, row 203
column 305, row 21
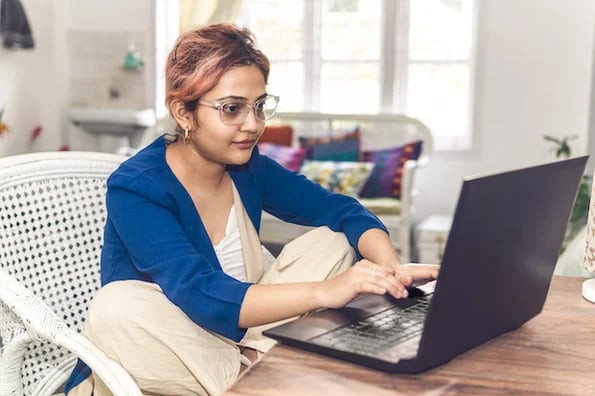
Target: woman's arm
column 381, row 272
column 376, row 246
column 295, row 199
column 266, row 303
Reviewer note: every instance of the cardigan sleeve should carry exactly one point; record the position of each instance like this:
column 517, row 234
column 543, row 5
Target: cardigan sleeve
column 146, row 222
column 294, row 198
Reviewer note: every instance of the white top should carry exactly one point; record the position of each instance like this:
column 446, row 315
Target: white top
column 229, row 249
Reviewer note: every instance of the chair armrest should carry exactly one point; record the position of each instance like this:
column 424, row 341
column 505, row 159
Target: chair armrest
column 42, row 323
column 407, row 190
column 407, row 208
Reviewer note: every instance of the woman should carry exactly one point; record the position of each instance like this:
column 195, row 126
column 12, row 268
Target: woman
column 182, row 266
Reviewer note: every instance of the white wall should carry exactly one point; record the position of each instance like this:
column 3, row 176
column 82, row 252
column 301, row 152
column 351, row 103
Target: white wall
column 30, row 91
column 106, row 16
column 534, row 71
column 34, row 84
column 109, row 15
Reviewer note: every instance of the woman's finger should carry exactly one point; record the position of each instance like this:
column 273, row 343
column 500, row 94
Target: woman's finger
column 377, row 279
column 420, row 272
column 390, row 283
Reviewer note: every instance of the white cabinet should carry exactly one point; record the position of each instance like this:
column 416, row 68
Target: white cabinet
column 430, row 238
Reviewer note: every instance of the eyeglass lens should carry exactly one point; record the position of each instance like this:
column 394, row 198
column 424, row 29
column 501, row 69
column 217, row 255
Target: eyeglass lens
column 236, row 112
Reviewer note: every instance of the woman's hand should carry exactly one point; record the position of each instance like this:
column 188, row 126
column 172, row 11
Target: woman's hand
column 363, row 277
column 368, row 277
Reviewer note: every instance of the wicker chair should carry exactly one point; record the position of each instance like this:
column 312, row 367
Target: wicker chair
column 51, row 226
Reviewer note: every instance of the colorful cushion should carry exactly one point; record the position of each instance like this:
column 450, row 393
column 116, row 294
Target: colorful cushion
column 339, row 147
column 340, row 177
column 289, row 157
column 385, row 180
column 281, row 135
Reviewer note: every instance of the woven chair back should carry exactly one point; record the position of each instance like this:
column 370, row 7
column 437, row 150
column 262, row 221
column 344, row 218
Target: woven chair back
column 52, row 214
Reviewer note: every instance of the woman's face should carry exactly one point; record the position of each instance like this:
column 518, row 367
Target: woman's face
column 224, row 144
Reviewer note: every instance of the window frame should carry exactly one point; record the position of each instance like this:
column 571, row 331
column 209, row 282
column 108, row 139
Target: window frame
column 393, row 69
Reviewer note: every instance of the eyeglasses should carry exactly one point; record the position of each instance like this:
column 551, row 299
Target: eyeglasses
column 234, row 112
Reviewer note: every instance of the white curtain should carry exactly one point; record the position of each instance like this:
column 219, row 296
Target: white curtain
column 195, row 13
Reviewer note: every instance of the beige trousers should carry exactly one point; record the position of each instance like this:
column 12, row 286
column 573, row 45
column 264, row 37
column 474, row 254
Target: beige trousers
column 167, row 353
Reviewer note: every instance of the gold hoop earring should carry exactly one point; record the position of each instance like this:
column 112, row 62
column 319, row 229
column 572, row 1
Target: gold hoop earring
column 186, row 135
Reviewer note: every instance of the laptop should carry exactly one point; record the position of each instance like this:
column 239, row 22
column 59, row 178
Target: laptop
column 494, row 276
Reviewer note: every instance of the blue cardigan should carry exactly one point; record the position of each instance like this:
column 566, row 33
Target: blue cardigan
column 154, row 233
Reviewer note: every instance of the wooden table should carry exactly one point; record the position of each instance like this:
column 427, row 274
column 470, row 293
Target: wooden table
column 553, row 354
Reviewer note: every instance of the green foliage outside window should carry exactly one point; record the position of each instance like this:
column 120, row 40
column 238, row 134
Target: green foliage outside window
column 580, row 211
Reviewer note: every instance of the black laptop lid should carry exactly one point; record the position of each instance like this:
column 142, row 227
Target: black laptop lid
column 500, row 256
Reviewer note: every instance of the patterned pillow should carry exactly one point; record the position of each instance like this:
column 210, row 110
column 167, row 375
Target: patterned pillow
column 385, row 180
column 341, row 177
column 289, row 157
column 339, row 147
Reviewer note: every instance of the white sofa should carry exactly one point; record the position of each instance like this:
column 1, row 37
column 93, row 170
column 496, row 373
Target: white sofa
column 377, row 132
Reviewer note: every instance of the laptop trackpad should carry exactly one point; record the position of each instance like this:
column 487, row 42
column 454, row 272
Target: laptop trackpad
column 320, row 322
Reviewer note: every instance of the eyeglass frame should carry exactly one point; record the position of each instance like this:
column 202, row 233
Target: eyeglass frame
column 218, row 105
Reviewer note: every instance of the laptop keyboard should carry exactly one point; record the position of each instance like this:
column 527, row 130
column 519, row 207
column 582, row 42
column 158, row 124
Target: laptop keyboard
column 379, row 331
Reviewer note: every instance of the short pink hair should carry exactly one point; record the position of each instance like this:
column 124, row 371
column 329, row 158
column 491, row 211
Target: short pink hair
column 201, row 57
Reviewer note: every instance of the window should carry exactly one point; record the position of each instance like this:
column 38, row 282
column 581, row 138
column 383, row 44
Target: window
column 371, row 56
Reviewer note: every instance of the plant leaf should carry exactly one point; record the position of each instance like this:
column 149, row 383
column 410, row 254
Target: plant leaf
column 552, row 139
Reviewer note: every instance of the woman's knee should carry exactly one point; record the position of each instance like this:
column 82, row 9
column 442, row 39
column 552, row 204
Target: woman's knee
column 323, row 241
column 117, row 304
column 135, row 324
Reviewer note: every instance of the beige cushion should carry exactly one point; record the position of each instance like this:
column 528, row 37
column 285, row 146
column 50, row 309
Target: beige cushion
column 382, row 206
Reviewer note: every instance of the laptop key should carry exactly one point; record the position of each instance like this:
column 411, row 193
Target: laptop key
column 379, row 331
